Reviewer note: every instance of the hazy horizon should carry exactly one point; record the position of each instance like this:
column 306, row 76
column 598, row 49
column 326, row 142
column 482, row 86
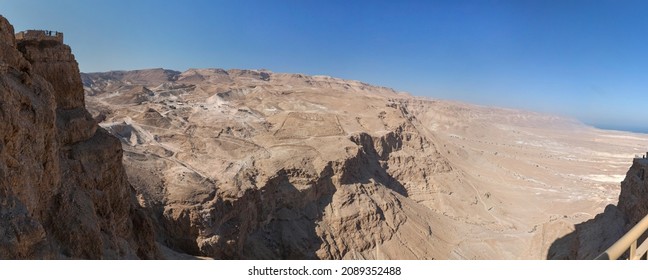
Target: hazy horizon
column 577, row 58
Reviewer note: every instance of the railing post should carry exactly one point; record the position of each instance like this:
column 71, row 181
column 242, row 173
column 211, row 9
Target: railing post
column 628, row 240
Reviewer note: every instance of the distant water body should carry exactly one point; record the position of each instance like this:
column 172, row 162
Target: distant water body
column 635, row 129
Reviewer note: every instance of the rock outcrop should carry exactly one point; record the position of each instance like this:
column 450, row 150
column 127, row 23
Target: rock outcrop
column 229, row 177
column 593, row 237
column 633, row 200
column 251, row 164
column 63, row 189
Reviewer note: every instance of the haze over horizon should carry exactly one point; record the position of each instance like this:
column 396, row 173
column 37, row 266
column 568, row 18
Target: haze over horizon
column 577, row 58
column 251, row 165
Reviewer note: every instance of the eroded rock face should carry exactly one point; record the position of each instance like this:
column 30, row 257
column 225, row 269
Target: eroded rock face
column 593, row 237
column 55, row 62
column 237, row 164
column 634, row 192
column 63, row 189
column 259, row 165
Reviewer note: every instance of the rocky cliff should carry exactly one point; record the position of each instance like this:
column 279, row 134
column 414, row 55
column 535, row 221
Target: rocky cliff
column 633, row 200
column 255, row 164
column 251, row 164
column 593, row 237
column 63, row 189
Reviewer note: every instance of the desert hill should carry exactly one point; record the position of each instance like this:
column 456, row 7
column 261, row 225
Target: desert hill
column 256, row 164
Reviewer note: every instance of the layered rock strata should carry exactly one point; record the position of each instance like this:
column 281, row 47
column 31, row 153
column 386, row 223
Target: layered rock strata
column 247, row 164
column 63, row 189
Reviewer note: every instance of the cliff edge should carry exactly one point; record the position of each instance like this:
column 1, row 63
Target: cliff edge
column 593, row 237
column 63, row 189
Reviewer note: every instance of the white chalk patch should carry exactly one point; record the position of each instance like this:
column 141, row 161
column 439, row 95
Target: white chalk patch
column 605, row 178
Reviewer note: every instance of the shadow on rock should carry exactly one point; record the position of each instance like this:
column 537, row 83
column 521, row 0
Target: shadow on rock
column 590, row 238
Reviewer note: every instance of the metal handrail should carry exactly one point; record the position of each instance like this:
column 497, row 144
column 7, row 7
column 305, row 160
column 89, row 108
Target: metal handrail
column 628, row 241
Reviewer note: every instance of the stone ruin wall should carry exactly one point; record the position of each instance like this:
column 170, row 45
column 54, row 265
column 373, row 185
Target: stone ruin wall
column 40, row 35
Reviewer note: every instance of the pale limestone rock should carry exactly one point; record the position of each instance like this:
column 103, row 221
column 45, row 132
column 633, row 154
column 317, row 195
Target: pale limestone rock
column 253, row 164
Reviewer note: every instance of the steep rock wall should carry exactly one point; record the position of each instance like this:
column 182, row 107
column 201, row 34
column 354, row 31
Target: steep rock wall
column 307, row 208
column 591, row 238
column 633, row 200
column 63, row 189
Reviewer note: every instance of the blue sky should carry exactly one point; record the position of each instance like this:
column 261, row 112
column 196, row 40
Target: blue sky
column 586, row 59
